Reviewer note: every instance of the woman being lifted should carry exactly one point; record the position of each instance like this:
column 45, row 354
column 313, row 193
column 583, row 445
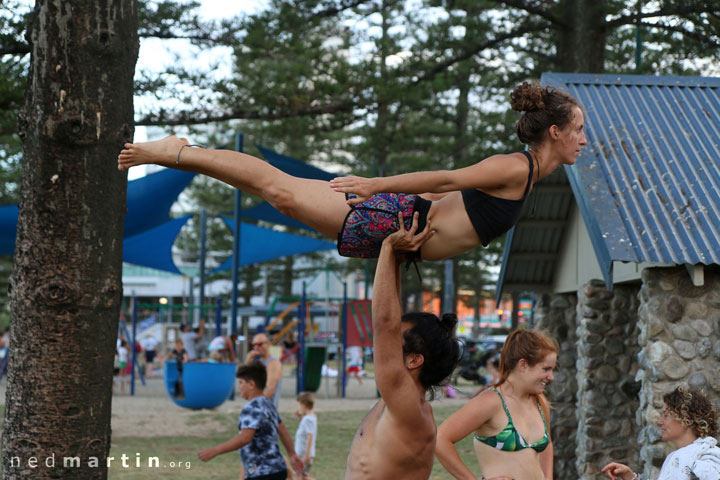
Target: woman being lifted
column 467, row 207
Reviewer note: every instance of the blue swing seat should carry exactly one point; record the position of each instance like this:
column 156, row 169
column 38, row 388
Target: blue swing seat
column 206, row 385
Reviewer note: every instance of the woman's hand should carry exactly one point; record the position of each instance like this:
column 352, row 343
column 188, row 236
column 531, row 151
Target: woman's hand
column 364, row 188
column 617, row 470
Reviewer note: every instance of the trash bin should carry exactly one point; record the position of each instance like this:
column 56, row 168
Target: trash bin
column 314, row 360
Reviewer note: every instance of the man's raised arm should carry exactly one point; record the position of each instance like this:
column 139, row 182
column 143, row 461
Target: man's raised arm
column 390, row 371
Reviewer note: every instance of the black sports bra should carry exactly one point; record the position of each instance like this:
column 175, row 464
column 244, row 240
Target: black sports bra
column 492, row 216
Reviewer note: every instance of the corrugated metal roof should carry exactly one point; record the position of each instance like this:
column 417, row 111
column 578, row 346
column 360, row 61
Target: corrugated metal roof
column 648, row 182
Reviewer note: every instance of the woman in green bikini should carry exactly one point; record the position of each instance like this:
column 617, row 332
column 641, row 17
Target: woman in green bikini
column 510, row 421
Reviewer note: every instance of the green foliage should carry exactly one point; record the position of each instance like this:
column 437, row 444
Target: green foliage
column 372, row 87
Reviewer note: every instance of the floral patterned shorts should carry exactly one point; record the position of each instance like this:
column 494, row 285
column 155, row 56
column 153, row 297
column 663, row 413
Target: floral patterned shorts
column 367, row 224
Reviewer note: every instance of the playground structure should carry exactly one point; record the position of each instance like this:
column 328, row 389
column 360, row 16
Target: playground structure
column 203, row 382
column 352, row 325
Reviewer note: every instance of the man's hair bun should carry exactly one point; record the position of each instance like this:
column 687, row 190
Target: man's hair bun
column 449, row 320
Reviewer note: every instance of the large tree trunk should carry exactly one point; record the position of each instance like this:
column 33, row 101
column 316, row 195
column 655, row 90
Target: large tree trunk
column 67, row 279
column 581, row 45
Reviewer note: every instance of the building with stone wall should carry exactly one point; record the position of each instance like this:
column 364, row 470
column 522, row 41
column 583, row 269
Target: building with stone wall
column 623, row 258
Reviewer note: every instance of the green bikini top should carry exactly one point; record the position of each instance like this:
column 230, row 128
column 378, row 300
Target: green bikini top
column 509, row 440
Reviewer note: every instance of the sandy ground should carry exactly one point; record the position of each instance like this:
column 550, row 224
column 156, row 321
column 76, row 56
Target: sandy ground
column 151, row 412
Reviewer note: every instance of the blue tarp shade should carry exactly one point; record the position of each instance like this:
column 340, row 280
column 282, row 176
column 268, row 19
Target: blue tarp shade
column 259, row 244
column 153, row 248
column 148, row 209
column 8, row 227
column 267, row 212
column 149, row 235
column 294, row 167
column 149, row 199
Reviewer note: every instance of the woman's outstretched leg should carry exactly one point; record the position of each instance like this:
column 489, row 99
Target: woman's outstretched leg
column 312, row 202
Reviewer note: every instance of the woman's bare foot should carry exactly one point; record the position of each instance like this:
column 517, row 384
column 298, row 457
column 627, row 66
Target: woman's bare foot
column 160, row 152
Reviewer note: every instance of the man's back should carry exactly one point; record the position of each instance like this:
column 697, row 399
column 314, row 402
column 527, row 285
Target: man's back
column 384, row 448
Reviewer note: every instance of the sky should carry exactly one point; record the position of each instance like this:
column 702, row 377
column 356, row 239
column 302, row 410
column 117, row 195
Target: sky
column 157, row 54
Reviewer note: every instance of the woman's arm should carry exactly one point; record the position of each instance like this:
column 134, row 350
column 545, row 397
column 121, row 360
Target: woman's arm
column 492, row 173
column 707, row 467
column 446, row 452
column 546, row 461
column 458, row 426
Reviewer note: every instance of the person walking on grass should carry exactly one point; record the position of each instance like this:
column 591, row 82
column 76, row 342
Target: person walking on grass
column 306, row 434
column 260, row 427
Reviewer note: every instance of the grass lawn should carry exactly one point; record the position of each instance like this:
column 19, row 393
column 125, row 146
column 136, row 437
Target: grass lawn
column 178, row 460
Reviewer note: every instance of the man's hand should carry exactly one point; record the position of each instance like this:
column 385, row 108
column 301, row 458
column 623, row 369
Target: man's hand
column 406, row 240
column 207, row 454
column 360, row 186
column 250, row 357
column 296, row 463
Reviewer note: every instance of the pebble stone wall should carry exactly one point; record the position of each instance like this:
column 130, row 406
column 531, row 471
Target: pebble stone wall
column 606, row 369
column 680, row 344
column 555, row 315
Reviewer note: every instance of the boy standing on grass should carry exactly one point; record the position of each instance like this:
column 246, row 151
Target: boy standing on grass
column 259, row 425
column 306, row 433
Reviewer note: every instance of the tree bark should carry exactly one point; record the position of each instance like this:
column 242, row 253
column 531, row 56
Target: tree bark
column 581, row 42
column 66, row 285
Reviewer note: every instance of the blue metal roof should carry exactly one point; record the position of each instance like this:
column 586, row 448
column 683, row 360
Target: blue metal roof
column 648, row 182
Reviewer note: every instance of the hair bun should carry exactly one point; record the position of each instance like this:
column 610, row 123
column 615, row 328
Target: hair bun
column 449, row 320
column 527, row 97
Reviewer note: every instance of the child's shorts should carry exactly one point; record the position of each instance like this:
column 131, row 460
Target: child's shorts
column 369, row 223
